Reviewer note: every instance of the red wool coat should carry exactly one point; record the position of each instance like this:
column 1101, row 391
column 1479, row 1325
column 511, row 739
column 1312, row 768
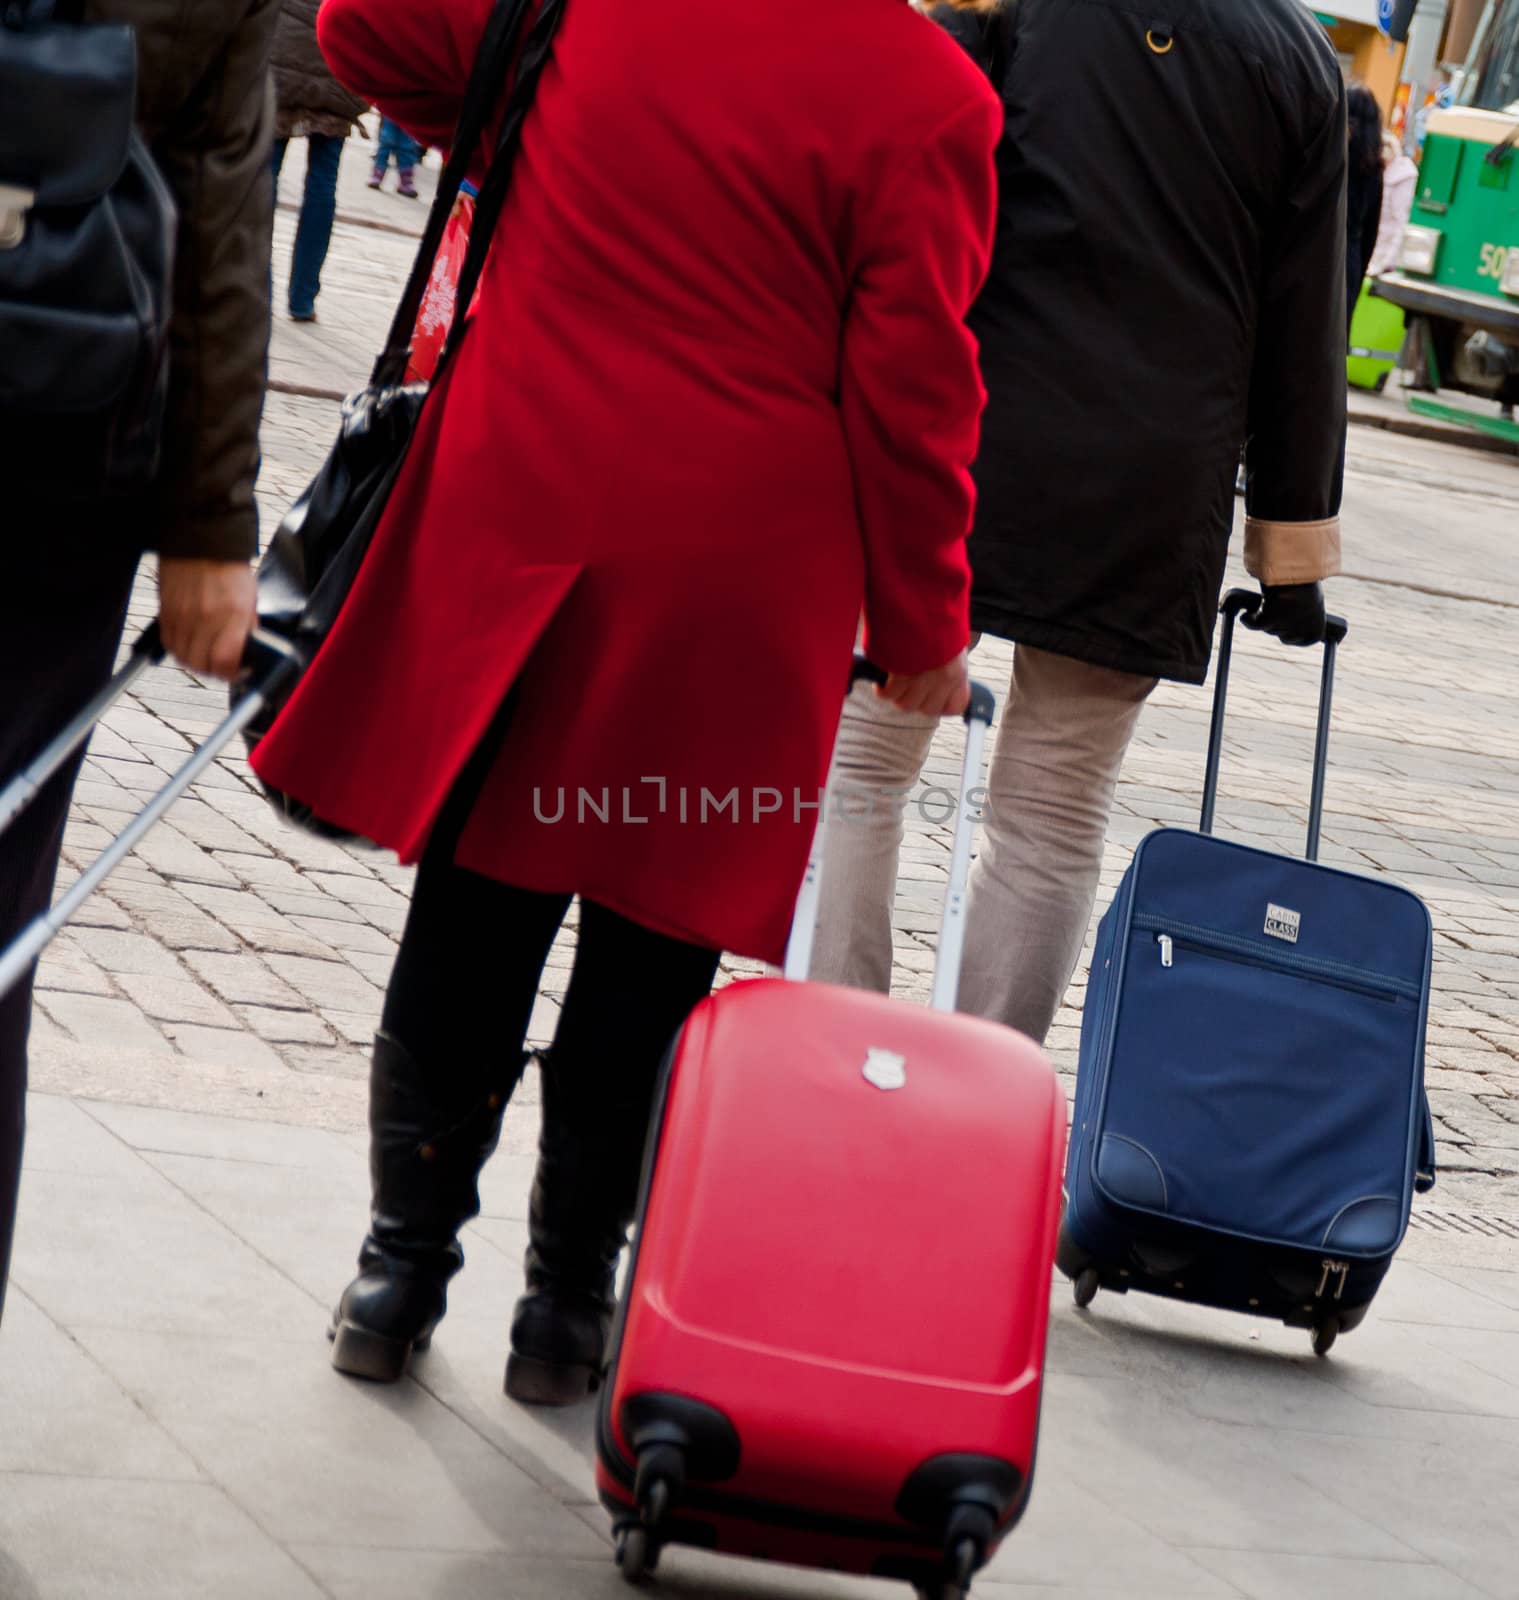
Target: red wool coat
column 717, row 397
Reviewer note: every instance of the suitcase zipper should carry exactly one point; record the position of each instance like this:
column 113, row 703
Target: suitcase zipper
column 1171, row 936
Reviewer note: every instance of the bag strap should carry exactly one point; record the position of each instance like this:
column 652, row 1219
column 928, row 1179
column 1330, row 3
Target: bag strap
column 493, row 61
column 493, row 191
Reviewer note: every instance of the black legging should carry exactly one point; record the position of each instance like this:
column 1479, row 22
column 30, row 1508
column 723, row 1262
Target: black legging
column 466, row 978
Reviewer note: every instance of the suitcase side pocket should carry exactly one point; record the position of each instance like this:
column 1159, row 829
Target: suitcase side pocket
column 1276, row 1096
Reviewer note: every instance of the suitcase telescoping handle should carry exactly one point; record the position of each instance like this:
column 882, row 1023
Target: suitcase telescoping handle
column 1245, row 605
column 269, row 663
column 978, row 717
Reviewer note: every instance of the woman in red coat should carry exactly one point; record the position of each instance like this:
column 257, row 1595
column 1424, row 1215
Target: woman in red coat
column 716, row 400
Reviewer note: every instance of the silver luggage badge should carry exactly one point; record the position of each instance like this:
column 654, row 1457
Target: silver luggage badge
column 885, row 1069
column 1282, row 923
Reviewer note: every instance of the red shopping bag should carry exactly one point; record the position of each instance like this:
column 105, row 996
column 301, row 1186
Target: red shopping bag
column 436, row 313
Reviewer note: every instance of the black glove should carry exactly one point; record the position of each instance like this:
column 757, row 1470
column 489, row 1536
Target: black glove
column 1293, row 612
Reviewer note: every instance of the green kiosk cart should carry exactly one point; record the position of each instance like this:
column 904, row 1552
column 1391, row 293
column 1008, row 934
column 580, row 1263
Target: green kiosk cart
column 1457, row 279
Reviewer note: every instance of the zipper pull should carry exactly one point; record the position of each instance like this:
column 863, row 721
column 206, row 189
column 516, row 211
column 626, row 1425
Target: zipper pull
column 1339, row 1269
column 1166, row 949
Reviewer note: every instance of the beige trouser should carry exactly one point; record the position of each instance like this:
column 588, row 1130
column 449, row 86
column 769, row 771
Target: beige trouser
column 1064, row 728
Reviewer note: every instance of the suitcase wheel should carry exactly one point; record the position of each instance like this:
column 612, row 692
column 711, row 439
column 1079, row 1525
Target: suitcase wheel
column 1324, row 1335
column 637, row 1553
column 963, row 1557
column 1084, row 1290
column 957, row 1586
column 661, row 1468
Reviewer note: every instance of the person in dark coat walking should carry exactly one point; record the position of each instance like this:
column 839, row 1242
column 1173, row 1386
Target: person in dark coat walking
column 311, row 102
column 1167, row 285
column 1363, row 195
column 202, row 109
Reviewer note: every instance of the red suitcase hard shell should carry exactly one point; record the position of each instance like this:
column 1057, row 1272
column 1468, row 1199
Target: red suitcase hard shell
column 831, row 1345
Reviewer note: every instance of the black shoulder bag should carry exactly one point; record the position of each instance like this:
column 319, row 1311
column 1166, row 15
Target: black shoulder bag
column 87, row 229
column 311, row 563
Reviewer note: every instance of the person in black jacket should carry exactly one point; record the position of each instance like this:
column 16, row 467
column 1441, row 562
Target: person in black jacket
column 1363, row 198
column 1168, row 285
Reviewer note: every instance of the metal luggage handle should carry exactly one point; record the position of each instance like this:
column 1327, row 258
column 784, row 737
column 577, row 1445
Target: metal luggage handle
column 269, row 662
column 19, row 793
column 1245, row 604
column 977, row 718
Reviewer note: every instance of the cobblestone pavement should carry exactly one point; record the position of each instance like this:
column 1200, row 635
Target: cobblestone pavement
column 234, row 965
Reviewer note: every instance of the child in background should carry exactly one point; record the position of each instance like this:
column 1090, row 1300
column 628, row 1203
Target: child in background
column 395, row 141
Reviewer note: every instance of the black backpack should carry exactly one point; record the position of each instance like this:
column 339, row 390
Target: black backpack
column 87, row 229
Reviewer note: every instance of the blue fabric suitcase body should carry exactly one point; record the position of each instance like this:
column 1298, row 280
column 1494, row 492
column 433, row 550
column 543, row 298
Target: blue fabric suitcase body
column 1250, row 1123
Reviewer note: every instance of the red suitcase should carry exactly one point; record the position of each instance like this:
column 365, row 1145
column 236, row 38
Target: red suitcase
column 830, row 1349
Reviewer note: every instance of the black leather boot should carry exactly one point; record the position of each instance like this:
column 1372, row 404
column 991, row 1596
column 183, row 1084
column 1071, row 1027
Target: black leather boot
column 425, row 1156
column 590, row 1156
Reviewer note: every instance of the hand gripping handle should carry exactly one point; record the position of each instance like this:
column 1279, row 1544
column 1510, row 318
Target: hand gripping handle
column 982, row 701
column 977, row 718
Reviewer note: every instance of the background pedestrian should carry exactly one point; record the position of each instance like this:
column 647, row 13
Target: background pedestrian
column 314, row 105
column 1400, row 181
column 396, row 143
column 1363, row 192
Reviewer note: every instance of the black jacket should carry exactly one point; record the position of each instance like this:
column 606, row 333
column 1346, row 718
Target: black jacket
column 1168, row 278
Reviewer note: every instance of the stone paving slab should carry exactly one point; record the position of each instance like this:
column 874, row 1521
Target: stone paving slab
column 64, row 1537
column 152, row 1448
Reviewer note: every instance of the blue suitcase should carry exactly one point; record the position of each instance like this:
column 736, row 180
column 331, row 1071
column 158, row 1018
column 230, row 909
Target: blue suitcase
column 1250, row 1123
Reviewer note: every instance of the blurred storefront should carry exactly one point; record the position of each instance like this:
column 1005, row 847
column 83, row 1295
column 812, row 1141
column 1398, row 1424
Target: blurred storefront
column 1364, row 49
column 1438, row 34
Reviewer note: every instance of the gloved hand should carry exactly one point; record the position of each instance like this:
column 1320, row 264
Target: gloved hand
column 1293, row 612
